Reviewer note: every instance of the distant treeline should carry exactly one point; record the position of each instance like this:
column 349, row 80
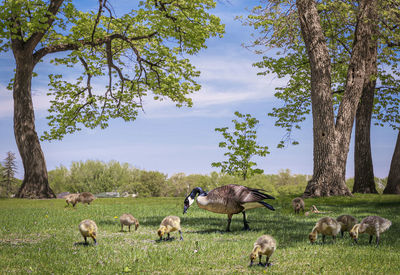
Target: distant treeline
column 97, row 177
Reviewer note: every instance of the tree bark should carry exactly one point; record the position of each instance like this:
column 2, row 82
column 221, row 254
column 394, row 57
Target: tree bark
column 331, row 140
column 35, row 184
column 393, row 184
column 364, row 180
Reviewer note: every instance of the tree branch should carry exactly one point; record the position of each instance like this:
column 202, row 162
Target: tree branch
column 49, row 18
column 39, row 54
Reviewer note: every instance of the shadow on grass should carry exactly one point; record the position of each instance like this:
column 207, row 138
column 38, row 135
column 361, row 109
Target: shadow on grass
column 166, row 240
column 84, row 244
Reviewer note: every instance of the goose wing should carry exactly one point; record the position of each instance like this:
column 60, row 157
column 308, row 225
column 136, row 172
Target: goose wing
column 238, row 193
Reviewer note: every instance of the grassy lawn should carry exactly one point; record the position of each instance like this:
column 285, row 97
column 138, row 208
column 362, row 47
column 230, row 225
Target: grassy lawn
column 42, row 237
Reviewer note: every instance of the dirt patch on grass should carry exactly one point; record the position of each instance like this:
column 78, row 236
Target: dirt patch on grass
column 15, row 239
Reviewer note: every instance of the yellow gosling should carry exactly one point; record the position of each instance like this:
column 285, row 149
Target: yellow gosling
column 346, row 223
column 170, row 224
column 88, row 228
column 265, row 245
column 325, row 226
column 372, row 225
column 71, row 199
column 128, row 219
column 298, row 204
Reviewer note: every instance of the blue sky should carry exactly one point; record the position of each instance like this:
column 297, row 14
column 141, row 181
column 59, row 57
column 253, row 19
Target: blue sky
column 172, row 140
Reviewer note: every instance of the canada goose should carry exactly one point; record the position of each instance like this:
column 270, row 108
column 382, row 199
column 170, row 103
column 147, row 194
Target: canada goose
column 71, row 199
column 325, row 226
column 265, row 245
column 170, row 224
column 88, row 228
column 372, row 225
column 128, row 219
column 298, row 204
column 86, row 197
column 346, row 223
column 229, row 199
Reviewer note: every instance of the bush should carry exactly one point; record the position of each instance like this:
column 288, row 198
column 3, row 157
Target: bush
column 97, row 177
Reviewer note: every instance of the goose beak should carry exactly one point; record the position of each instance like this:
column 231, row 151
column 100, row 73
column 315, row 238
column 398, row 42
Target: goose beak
column 185, row 208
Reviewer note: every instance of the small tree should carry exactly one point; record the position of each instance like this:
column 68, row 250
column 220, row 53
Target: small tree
column 242, row 146
column 8, row 171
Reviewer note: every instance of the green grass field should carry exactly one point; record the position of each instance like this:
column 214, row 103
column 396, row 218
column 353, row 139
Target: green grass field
column 42, row 237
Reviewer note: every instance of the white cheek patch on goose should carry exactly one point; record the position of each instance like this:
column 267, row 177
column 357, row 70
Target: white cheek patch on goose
column 190, row 200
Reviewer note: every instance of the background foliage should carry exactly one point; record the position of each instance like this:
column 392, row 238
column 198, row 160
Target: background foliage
column 96, row 177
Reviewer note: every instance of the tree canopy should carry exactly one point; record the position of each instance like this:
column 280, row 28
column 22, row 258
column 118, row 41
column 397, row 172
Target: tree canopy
column 279, row 32
column 120, row 59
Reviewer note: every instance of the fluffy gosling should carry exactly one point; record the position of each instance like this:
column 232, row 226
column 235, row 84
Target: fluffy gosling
column 346, row 223
column 86, row 197
column 265, row 245
column 71, row 199
column 325, row 226
column 298, row 203
column 372, row 225
column 128, row 219
column 88, row 228
column 170, row 224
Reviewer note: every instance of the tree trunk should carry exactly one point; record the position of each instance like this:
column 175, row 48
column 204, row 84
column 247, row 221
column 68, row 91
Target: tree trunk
column 364, row 180
column 393, row 184
column 331, row 141
column 35, row 184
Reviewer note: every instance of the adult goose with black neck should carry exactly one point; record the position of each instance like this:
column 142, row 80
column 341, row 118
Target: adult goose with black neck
column 229, row 199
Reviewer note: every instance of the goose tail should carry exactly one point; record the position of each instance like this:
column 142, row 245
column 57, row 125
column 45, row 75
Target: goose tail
column 259, row 192
column 270, row 207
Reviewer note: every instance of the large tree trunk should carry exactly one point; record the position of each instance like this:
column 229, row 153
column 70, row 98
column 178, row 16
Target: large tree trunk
column 393, row 184
column 331, row 141
column 35, row 183
column 364, row 180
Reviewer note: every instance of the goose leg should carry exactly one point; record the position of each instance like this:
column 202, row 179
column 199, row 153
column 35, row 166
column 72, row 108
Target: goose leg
column 370, row 239
column 323, row 238
column 267, row 262
column 260, row 263
column 377, row 239
column 245, row 223
column 228, row 228
column 129, row 228
column 85, row 240
column 180, row 232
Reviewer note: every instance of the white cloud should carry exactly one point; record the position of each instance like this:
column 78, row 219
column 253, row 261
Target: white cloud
column 225, row 79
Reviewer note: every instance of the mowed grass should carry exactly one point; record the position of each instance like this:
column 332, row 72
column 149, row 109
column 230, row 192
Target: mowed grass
column 42, row 237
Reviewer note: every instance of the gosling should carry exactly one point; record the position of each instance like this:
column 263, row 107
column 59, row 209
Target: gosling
column 86, row 197
column 170, row 224
column 88, row 228
column 346, row 223
column 298, row 204
column 372, row 225
column 128, row 219
column 71, row 199
column 265, row 245
column 325, row 226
